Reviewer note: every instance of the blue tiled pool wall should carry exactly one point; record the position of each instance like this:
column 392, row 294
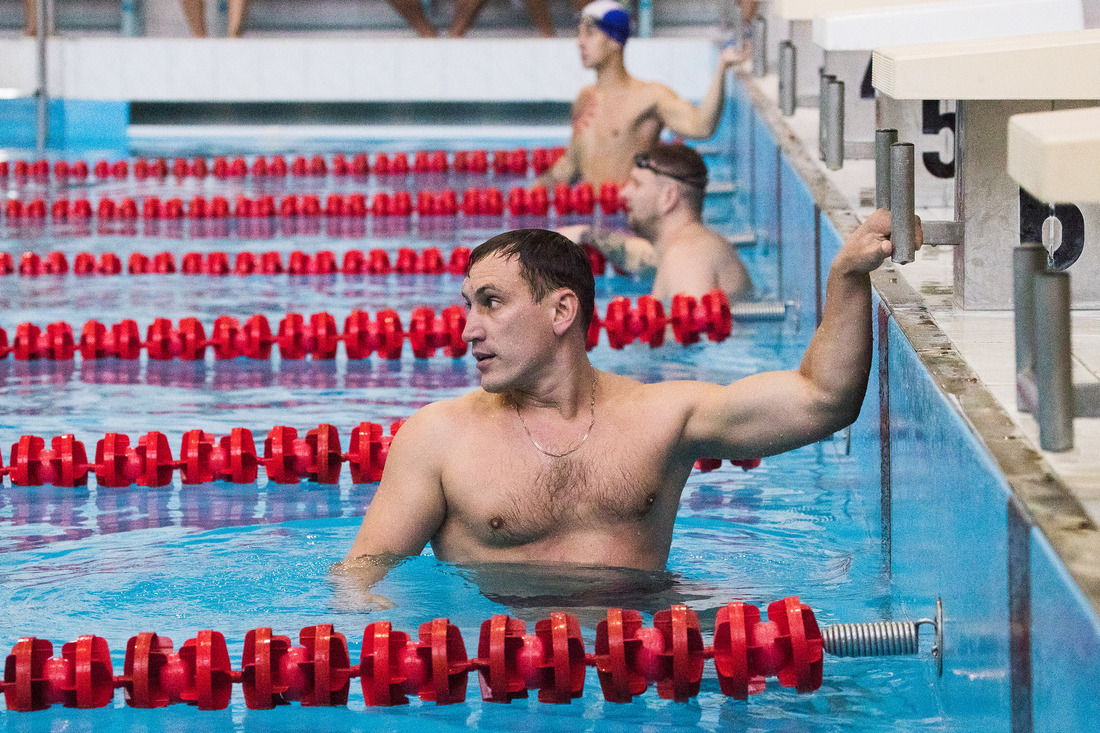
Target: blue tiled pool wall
column 949, row 534
column 1065, row 646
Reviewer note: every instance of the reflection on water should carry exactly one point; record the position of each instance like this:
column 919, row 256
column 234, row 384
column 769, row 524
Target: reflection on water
column 34, row 516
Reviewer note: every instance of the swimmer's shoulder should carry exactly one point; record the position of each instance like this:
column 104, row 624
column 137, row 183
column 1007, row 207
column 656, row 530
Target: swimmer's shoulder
column 655, row 91
column 584, row 95
column 456, row 408
column 437, row 420
column 662, row 402
column 630, row 391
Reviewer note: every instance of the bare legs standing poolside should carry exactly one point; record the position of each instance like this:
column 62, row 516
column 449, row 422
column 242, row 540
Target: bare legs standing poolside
column 466, row 12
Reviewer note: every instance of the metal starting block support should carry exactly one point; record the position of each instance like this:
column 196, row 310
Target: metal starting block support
column 991, row 80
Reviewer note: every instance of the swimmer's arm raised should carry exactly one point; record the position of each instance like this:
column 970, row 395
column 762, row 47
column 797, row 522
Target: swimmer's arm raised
column 698, row 122
column 769, row 413
column 630, row 254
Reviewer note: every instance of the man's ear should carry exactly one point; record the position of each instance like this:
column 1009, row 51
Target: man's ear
column 668, row 198
column 567, row 308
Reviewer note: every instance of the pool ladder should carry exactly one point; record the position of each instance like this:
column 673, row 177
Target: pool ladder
column 885, row 638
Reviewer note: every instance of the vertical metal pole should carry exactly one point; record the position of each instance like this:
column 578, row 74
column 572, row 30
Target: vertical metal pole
column 759, row 46
column 834, row 125
column 737, row 18
column 1028, row 260
column 788, row 92
column 1053, row 361
column 42, row 95
column 822, row 113
column 883, row 140
column 130, row 21
column 819, row 289
column 645, row 18
column 902, row 205
column 779, row 221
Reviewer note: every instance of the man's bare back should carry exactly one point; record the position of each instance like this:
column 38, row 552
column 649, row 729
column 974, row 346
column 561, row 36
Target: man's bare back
column 697, row 260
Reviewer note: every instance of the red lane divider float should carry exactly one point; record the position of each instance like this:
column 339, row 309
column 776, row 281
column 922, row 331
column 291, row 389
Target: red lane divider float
column 319, row 337
column 434, row 667
column 204, row 457
column 429, row 261
column 534, row 201
column 689, row 318
column 295, row 337
column 515, row 162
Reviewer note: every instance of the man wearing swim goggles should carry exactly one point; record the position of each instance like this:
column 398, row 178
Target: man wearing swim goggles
column 619, row 116
column 663, row 198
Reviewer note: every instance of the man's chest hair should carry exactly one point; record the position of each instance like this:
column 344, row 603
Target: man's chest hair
column 534, row 498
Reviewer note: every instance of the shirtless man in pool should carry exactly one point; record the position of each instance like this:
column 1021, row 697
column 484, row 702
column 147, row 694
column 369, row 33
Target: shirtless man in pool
column 663, row 199
column 620, row 116
column 554, row 461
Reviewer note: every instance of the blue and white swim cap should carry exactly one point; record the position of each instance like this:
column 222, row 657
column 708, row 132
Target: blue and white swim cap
column 610, row 17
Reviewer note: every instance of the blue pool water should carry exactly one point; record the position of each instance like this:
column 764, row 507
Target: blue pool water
column 116, row 562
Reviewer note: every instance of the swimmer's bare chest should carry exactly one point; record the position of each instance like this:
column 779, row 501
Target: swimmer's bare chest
column 604, row 504
column 608, row 128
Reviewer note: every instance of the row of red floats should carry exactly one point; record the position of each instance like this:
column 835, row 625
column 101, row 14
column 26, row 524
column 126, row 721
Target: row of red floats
column 204, row 457
column 317, row 672
column 407, row 261
column 319, row 337
column 296, row 337
column 502, row 163
column 535, row 201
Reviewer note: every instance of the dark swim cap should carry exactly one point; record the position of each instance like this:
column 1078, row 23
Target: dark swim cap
column 610, row 17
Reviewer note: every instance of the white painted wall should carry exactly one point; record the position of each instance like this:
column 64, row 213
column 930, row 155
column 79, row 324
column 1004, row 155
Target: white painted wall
column 339, row 69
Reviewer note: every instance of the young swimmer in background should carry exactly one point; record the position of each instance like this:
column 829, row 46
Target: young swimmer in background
column 554, row 461
column 664, row 202
column 620, row 116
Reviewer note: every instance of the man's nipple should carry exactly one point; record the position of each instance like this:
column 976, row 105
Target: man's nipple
column 496, row 522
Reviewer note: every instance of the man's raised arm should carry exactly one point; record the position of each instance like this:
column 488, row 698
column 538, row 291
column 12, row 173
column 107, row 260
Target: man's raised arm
column 699, row 122
column 772, row 412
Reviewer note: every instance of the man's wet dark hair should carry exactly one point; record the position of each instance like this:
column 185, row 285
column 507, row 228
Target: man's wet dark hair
column 547, row 261
column 685, row 166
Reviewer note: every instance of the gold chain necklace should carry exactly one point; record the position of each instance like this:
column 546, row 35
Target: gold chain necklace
column 574, row 449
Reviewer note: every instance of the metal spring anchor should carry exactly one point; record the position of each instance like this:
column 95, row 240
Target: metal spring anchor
column 884, row 638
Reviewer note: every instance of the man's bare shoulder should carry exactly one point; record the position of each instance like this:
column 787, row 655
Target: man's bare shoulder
column 702, row 239
column 585, row 94
column 438, row 420
column 655, row 91
column 670, row 396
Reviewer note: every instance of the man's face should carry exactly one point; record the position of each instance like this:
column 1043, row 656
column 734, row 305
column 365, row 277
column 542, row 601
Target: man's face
column 640, row 199
column 510, row 335
column 595, row 45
